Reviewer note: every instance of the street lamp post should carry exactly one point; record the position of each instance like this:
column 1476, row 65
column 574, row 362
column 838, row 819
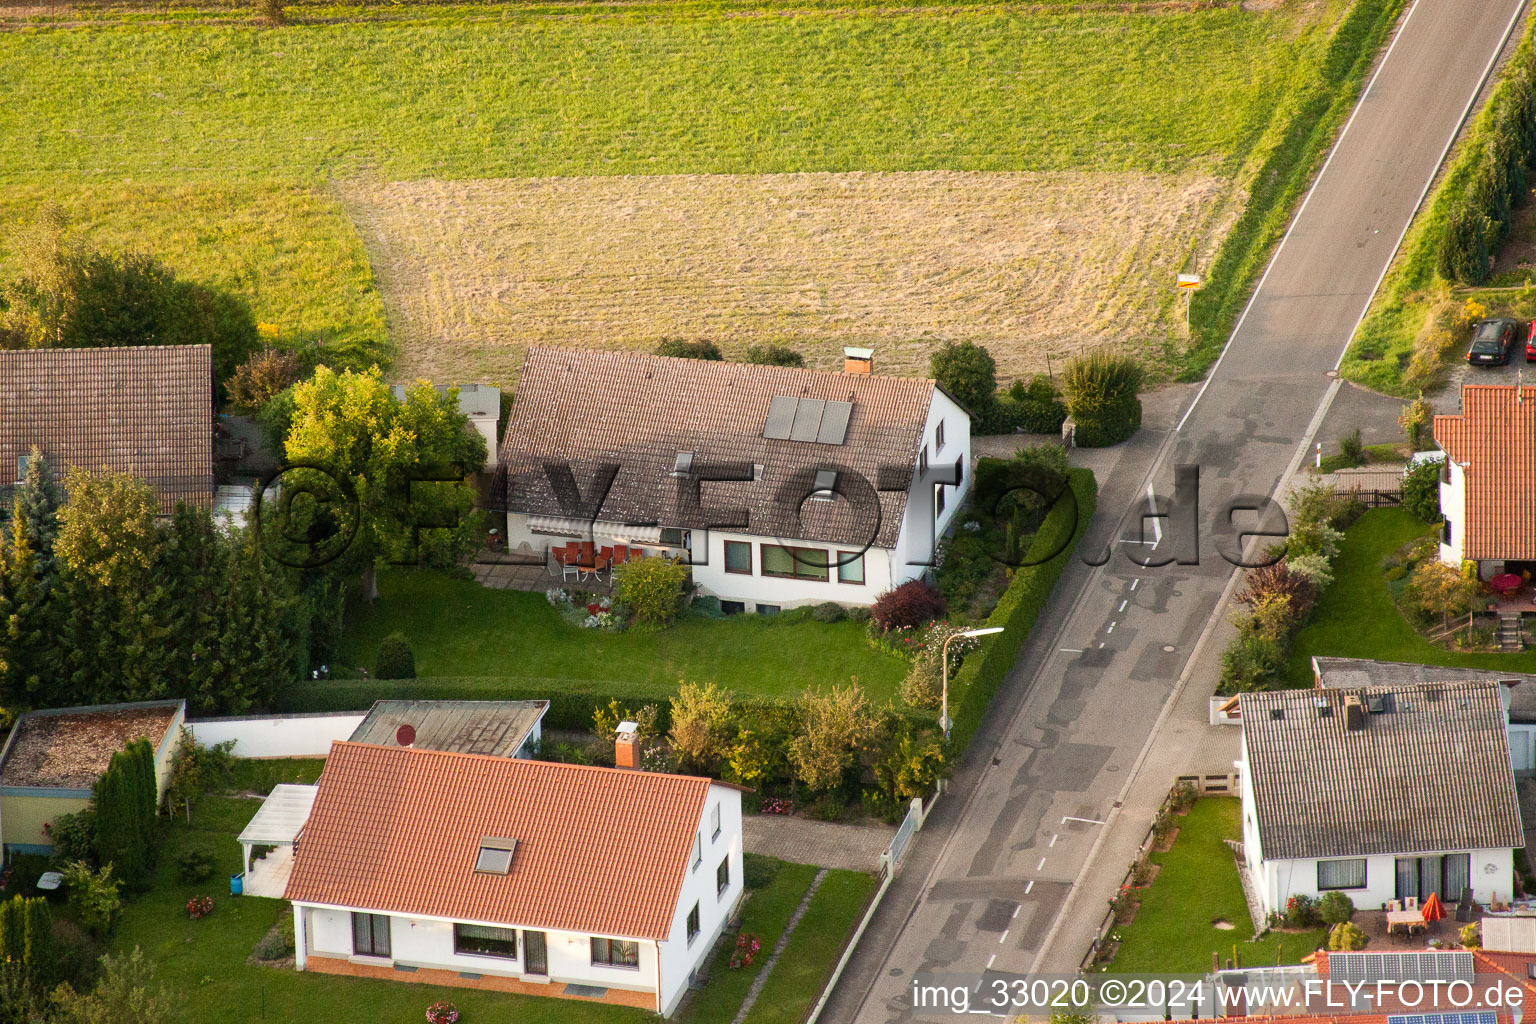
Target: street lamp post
column 944, row 722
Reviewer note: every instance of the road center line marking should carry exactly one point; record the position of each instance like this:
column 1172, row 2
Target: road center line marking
column 1111, row 628
column 1003, row 937
column 1157, row 521
column 1041, row 864
column 1087, row 821
column 1072, row 650
column 1016, row 910
column 1028, row 888
column 1054, row 837
column 1134, row 582
column 990, row 959
column 1123, row 604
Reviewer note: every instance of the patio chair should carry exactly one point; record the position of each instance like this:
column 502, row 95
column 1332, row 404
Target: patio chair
column 554, row 564
column 620, row 554
column 1393, row 906
column 569, row 557
column 1411, row 903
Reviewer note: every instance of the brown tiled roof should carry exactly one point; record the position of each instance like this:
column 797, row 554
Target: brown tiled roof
column 69, row 748
column 599, row 850
column 639, row 411
column 1494, row 440
column 145, row 410
column 1430, row 771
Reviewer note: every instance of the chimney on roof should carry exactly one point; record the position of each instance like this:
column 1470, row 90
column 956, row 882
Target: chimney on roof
column 859, row 360
column 626, row 746
column 1354, row 713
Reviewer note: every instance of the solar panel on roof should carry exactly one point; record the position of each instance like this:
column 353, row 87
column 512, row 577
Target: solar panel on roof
column 1471, row 1017
column 834, row 422
column 1446, row 966
column 781, row 414
column 807, row 419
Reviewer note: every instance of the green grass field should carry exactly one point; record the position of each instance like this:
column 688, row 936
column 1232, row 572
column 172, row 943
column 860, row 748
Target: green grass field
column 196, row 133
column 1174, row 930
column 459, row 628
column 1357, row 618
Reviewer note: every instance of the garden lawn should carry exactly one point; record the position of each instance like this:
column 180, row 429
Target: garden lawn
column 204, row 962
column 806, row 964
column 1357, row 618
column 775, row 888
column 458, row 628
column 1198, row 884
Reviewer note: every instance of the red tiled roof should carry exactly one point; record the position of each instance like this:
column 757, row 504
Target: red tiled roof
column 1494, row 440
column 145, row 410
column 638, row 411
column 599, row 850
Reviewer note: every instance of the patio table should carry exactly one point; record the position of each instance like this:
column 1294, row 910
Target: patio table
column 1409, row 919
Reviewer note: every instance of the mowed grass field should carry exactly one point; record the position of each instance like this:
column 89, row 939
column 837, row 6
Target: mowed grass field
column 233, row 150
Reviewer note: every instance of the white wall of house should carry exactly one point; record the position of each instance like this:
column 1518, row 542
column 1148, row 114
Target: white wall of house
column 485, row 426
column 679, row 957
column 1522, row 747
column 1492, row 875
column 915, row 544
column 1453, row 505
column 757, row 589
column 1253, row 847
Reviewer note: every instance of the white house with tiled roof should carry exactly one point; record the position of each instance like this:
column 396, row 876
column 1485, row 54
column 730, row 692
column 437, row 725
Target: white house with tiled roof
column 1381, row 792
column 781, row 486
column 1488, row 483
column 602, row 884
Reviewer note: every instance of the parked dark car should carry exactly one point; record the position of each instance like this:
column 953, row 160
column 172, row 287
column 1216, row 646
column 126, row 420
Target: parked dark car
column 1493, row 341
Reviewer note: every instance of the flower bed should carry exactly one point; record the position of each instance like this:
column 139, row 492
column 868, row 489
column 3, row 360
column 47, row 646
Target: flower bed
column 747, row 947
column 199, row 907
column 442, row 1012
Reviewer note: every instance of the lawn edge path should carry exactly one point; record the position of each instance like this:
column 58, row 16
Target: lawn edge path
column 761, row 981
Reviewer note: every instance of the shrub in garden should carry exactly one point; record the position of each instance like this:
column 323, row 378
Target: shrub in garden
column 829, row 611
column 701, row 727
column 125, row 801
column 920, row 688
column 1335, row 908
column 277, row 944
column 682, row 349
column 1436, row 589
column 1414, row 421
column 968, row 372
column 93, row 896
column 605, row 723
column 1301, row 912
column 835, row 725
column 1472, row 936
column 396, row 659
column 652, row 589
column 914, row 603
column 196, row 864
column 73, row 835
column 1421, row 491
column 1257, row 654
column 442, row 1012
column 1313, row 568
column 1041, row 410
column 911, row 766
column 26, row 937
column 1101, row 390
column 774, row 354
column 1346, row 936
column 1277, row 580
column 261, row 378
column 1351, row 448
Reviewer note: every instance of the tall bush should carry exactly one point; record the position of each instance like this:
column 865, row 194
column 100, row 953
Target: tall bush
column 1101, row 390
column 701, row 727
column 1421, row 491
column 652, row 588
column 835, row 725
column 968, row 372
column 396, row 660
column 124, row 801
column 914, row 603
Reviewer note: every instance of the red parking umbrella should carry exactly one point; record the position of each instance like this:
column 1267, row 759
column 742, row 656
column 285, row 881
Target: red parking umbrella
column 1433, row 910
column 1505, row 583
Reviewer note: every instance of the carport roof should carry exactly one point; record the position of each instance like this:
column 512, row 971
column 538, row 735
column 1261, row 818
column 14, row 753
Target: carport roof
column 282, row 815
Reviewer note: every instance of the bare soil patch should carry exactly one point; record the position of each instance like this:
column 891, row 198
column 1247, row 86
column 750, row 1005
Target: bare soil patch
column 1028, row 264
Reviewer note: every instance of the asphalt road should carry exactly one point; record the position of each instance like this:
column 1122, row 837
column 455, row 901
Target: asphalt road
column 997, row 885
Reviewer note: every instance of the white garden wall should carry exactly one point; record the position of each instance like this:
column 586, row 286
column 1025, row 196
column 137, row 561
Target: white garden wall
column 278, row 735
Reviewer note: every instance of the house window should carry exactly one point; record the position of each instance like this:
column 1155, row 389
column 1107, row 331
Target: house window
column 693, row 924
column 938, row 437
column 485, row 940
column 698, row 850
column 733, row 607
column 766, row 609
column 850, row 567
column 738, row 557
column 714, row 823
column 370, row 934
column 922, row 461
column 938, row 500
column 1341, row 874
column 672, row 537
column 723, row 876
column 21, row 467
column 616, row 953
column 794, row 563
column 959, row 470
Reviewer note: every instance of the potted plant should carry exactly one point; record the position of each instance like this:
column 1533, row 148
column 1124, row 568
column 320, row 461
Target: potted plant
column 442, row 1012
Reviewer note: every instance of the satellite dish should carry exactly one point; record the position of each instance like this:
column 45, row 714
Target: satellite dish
column 405, row 735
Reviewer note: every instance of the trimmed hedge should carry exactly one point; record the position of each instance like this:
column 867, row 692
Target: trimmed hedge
column 972, row 688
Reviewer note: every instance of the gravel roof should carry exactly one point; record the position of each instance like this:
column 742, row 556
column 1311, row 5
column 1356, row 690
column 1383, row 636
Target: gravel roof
column 69, row 748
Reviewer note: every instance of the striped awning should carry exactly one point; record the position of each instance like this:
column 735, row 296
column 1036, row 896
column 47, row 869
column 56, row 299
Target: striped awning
column 560, row 526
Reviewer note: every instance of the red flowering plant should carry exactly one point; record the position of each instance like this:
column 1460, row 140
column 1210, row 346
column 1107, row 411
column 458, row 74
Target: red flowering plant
column 747, row 946
column 199, row 906
column 777, row 805
column 442, row 1012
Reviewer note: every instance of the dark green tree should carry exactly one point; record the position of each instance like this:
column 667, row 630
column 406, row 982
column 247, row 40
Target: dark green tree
column 968, row 372
column 684, row 349
column 774, row 354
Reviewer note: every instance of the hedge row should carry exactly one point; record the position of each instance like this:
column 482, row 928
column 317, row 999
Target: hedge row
column 1490, row 174
column 1295, row 142
column 972, row 688
column 571, row 701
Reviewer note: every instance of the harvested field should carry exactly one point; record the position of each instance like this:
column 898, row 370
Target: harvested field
column 472, row 272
